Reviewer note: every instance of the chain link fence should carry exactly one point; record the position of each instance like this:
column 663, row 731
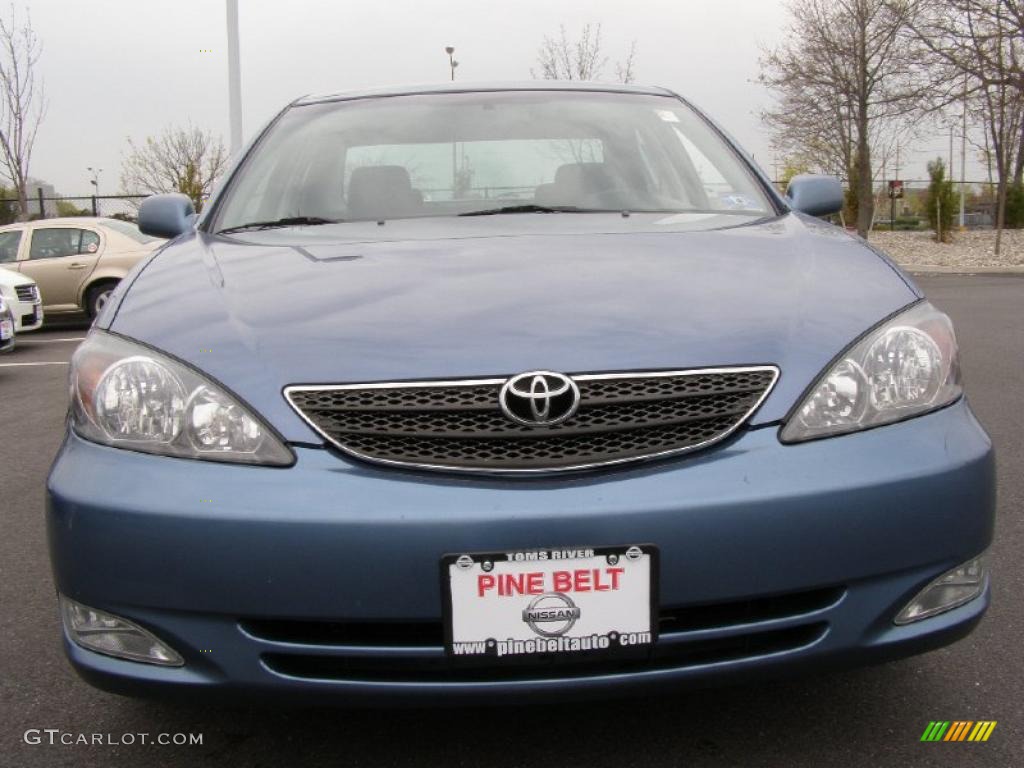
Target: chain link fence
column 40, row 206
column 903, row 213
column 908, row 212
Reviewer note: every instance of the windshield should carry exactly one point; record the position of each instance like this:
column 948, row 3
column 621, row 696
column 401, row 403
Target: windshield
column 456, row 154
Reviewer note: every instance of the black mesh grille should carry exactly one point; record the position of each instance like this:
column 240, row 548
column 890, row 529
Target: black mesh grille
column 462, row 426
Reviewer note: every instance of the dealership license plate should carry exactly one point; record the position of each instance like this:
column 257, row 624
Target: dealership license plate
column 6, row 330
column 590, row 600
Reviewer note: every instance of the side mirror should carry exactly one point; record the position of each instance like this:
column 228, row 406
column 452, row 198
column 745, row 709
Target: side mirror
column 166, row 215
column 815, row 195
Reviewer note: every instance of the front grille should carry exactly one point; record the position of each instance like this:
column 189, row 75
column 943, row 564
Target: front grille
column 461, row 426
column 413, row 651
column 27, row 292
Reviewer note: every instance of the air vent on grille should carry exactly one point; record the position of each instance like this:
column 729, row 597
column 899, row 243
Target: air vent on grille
column 27, row 292
column 460, row 425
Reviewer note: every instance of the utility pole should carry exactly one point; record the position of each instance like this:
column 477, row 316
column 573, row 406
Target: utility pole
column 234, row 79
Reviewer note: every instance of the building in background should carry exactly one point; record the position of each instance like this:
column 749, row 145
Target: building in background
column 49, row 195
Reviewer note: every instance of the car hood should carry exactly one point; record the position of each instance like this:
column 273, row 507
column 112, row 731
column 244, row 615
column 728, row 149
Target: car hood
column 11, row 278
column 468, row 298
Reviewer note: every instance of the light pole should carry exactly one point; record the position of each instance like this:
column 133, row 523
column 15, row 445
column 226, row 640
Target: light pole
column 95, row 180
column 234, row 78
column 452, row 63
column 95, row 186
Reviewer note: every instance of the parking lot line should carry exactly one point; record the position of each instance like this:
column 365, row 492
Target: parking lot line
column 17, row 365
column 50, row 341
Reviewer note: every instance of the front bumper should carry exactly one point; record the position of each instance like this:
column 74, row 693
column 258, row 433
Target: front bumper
column 28, row 315
column 320, row 581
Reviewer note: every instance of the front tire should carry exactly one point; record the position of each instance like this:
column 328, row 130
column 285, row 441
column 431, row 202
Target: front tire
column 97, row 297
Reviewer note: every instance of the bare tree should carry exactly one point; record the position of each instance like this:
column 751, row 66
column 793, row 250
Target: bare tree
column 625, row 69
column 560, row 58
column 186, row 160
column 22, row 102
column 981, row 44
column 847, row 78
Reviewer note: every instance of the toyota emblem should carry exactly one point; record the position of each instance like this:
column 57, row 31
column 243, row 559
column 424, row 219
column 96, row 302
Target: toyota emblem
column 539, row 398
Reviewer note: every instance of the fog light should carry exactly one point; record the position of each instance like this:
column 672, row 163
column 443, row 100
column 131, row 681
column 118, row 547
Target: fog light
column 951, row 590
column 113, row 636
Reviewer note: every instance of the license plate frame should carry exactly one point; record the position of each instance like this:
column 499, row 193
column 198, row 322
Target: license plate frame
column 554, row 645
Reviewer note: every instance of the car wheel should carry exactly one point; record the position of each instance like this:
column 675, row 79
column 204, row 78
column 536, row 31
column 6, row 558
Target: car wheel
column 98, row 297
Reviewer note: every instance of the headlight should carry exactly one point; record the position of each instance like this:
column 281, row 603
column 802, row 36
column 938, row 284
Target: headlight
column 905, row 367
column 128, row 396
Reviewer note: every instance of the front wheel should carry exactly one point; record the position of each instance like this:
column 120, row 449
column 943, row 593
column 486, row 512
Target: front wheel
column 97, row 298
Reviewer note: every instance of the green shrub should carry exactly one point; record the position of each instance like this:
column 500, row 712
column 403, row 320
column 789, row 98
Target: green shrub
column 9, row 209
column 940, row 202
column 67, row 208
column 1015, row 206
column 907, row 223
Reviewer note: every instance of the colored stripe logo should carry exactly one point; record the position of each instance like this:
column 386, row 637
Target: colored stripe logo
column 958, row 730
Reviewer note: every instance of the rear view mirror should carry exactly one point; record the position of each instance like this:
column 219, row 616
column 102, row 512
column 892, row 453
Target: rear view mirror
column 166, row 215
column 815, row 195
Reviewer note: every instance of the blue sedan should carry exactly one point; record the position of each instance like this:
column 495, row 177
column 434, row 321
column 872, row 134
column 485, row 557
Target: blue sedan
column 487, row 392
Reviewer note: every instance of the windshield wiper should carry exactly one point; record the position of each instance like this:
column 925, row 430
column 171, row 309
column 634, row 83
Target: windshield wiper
column 289, row 221
column 534, row 208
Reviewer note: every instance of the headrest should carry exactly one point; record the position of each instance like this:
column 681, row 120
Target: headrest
column 381, row 192
column 582, row 175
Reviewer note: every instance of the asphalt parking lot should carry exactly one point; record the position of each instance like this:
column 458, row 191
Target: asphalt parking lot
column 868, row 717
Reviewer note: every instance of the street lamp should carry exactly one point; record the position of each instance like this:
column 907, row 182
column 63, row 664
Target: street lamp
column 452, row 63
column 95, row 181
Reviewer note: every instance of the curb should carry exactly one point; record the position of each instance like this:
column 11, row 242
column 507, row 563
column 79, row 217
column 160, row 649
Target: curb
column 937, row 269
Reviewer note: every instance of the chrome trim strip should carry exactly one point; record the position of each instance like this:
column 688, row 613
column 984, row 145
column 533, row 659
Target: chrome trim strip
column 534, row 471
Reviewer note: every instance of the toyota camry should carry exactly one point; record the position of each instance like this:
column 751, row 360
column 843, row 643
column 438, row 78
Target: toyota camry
column 489, row 391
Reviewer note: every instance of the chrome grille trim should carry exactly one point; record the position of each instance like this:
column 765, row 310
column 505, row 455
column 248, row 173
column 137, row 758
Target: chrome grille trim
column 479, row 400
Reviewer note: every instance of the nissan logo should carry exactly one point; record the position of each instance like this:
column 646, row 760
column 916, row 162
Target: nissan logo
column 539, row 398
column 552, row 608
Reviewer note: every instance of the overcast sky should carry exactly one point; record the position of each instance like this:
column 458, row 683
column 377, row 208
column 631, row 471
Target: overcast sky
column 119, row 68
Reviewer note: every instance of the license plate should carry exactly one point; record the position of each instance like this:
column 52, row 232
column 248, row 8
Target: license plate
column 6, row 329
column 566, row 602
